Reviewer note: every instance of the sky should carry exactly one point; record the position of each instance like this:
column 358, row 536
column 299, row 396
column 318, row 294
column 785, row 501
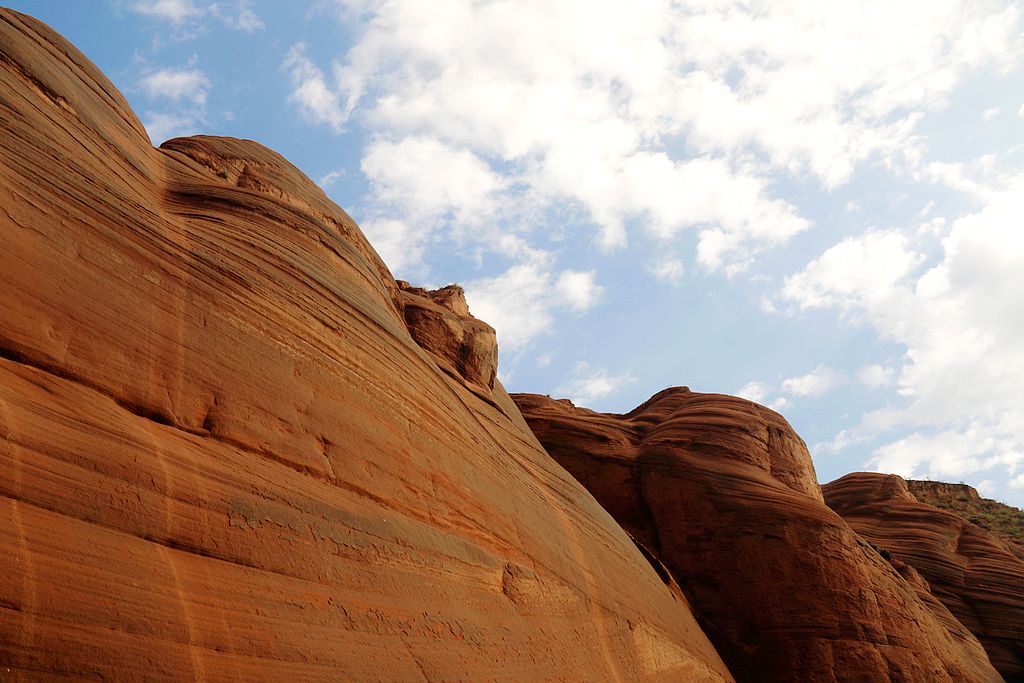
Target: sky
column 814, row 205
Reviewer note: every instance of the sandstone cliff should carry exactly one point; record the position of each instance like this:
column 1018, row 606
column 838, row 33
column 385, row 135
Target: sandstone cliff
column 1004, row 522
column 226, row 457
column 971, row 572
column 723, row 492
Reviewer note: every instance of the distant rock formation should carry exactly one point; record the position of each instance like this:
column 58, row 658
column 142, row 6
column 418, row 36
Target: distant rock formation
column 723, row 492
column 971, row 572
column 233, row 448
column 1002, row 521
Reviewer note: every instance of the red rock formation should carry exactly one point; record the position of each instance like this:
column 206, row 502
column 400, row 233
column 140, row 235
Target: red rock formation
column 1003, row 522
column 224, row 457
column 723, row 492
column 971, row 572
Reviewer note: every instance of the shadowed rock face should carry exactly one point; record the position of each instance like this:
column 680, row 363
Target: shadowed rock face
column 723, row 492
column 462, row 346
column 973, row 574
column 224, row 455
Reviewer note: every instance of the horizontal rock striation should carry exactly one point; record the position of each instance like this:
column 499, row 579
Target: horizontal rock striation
column 1004, row 522
column 233, row 448
column 723, row 492
column 971, row 572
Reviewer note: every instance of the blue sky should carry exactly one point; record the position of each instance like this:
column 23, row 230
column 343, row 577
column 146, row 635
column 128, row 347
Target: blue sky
column 814, row 205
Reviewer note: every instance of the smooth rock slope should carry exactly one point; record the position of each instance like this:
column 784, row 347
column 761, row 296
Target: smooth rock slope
column 971, row 572
column 724, row 493
column 225, row 456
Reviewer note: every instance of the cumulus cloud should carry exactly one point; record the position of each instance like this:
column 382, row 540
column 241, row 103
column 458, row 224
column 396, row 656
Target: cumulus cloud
column 176, row 84
column 397, row 243
column 960, row 321
column 855, row 272
column 579, row 289
column 577, row 102
column 588, row 384
column 163, row 125
column 521, row 302
column 406, row 173
column 818, row 381
column 317, row 102
column 754, row 391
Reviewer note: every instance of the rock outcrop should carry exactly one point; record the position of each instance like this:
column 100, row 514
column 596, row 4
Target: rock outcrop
column 1004, row 522
column 723, row 492
column 224, row 455
column 971, row 572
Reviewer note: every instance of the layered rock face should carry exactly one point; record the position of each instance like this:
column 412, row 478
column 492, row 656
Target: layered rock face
column 226, row 457
column 971, row 572
column 1004, row 522
column 723, row 492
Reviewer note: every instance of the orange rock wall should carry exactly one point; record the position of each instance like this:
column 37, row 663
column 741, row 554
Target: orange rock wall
column 723, row 492
column 225, row 457
column 974, row 575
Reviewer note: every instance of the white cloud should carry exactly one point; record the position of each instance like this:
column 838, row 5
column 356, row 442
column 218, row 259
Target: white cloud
column 818, row 381
column 163, row 126
column 176, row 11
column 588, row 384
column 317, row 102
column 991, row 113
column 692, row 129
column 429, row 179
column 875, row 375
column 239, row 15
column 961, row 322
column 754, row 391
column 946, row 455
column 398, row 244
column 329, row 178
column 243, row 19
column 521, row 302
column 176, row 84
column 579, row 289
column 857, row 271
column 667, row 269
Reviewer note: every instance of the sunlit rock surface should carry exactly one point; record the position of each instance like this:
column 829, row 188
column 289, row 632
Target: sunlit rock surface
column 224, row 456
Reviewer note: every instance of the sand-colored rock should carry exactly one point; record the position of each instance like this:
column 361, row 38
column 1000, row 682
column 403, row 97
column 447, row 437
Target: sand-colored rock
column 723, row 492
column 972, row 573
column 224, row 457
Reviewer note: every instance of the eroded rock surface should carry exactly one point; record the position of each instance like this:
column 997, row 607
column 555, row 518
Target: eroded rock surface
column 1004, row 522
column 440, row 322
column 972, row 573
column 723, row 492
column 225, row 458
